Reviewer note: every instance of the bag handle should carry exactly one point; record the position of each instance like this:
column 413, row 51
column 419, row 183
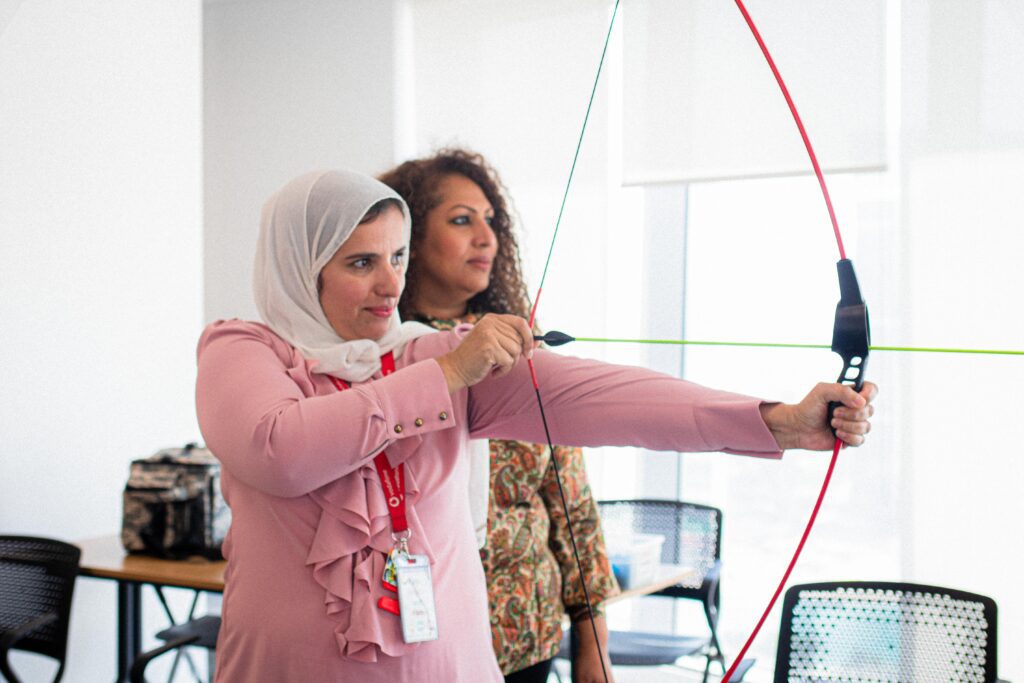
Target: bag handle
column 186, row 449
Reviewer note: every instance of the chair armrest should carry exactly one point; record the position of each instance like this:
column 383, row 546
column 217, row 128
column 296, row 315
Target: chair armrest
column 710, row 583
column 138, row 671
column 9, row 638
column 714, row 572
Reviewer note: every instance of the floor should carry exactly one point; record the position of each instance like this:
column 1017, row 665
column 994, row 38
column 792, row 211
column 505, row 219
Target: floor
column 687, row 673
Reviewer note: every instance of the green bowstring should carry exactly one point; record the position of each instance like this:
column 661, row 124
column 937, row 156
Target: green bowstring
column 779, row 345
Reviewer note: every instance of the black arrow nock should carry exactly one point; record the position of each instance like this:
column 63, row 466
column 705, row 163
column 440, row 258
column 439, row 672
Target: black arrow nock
column 554, row 338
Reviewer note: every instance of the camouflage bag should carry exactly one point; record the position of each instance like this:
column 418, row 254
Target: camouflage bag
column 173, row 506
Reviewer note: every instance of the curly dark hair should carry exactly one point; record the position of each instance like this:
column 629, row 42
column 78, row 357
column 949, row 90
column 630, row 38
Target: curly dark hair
column 417, row 181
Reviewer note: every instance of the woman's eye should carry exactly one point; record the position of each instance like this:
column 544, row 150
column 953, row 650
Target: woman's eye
column 398, row 259
column 460, row 220
column 489, row 220
column 361, row 263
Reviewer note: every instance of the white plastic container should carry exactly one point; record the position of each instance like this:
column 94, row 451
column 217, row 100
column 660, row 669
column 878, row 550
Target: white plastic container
column 635, row 558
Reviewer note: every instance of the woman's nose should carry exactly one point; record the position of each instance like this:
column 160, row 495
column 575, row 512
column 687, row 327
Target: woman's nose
column 483, row 236
column 390, row 281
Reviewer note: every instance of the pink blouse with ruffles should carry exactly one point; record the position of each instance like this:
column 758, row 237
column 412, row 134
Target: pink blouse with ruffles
column 310, row 526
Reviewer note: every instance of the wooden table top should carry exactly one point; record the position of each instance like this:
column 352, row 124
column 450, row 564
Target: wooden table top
column 105, row 558
column 667, row 575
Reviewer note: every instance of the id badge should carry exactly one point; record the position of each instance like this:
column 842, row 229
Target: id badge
column 416, row 598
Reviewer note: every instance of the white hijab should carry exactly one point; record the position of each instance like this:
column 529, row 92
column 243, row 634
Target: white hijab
column 301, row 228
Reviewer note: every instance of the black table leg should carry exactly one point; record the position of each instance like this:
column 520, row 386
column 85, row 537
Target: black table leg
column 129, row 627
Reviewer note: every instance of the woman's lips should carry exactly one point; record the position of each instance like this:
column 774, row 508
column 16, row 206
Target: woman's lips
column 381, row 311
column 481, row 263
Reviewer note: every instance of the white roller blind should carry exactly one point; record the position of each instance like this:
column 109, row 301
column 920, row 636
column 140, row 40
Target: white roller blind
column 700, row 101
column 512, row 80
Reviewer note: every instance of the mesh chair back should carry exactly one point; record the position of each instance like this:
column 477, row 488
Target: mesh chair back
column 861, row 631
column 693, row 533
column 37, row 576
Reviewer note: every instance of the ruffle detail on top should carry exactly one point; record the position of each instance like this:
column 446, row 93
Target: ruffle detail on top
column 350, row 547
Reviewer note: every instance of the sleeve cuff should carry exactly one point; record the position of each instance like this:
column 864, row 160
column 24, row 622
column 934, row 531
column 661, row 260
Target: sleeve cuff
column 579, row 614
column 414, row 402
column 738, row 424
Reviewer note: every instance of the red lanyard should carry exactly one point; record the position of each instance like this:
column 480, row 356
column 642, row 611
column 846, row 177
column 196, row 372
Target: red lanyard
column 392, row 479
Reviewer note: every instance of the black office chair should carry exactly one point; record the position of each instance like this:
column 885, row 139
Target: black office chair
column 37, row 579
column 860, row 631
column 200, row 632
column 693, row 537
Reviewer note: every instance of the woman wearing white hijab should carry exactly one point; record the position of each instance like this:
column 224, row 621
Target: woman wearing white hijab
column 298, row 410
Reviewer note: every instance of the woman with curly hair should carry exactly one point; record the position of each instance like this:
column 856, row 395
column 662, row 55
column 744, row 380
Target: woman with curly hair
column 464, row 263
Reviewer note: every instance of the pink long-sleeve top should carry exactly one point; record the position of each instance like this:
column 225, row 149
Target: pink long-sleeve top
column 310, row 528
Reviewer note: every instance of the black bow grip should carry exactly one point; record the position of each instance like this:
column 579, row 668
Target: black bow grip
column 851, row 334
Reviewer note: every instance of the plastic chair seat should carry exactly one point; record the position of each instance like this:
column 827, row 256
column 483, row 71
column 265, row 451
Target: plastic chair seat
column 632, row 648
column 635, row 648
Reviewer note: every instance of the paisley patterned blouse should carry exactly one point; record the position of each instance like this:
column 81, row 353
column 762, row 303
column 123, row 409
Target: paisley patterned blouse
column 532, row 578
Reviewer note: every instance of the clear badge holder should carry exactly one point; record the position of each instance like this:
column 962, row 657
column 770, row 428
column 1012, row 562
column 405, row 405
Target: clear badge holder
column 416, row 597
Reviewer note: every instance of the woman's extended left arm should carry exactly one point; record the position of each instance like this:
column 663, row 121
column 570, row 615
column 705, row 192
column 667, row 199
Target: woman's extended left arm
column 590, row 403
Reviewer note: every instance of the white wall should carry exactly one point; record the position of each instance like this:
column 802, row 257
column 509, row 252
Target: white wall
column 100, row 247
column 289, row 87
column 484, row 79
